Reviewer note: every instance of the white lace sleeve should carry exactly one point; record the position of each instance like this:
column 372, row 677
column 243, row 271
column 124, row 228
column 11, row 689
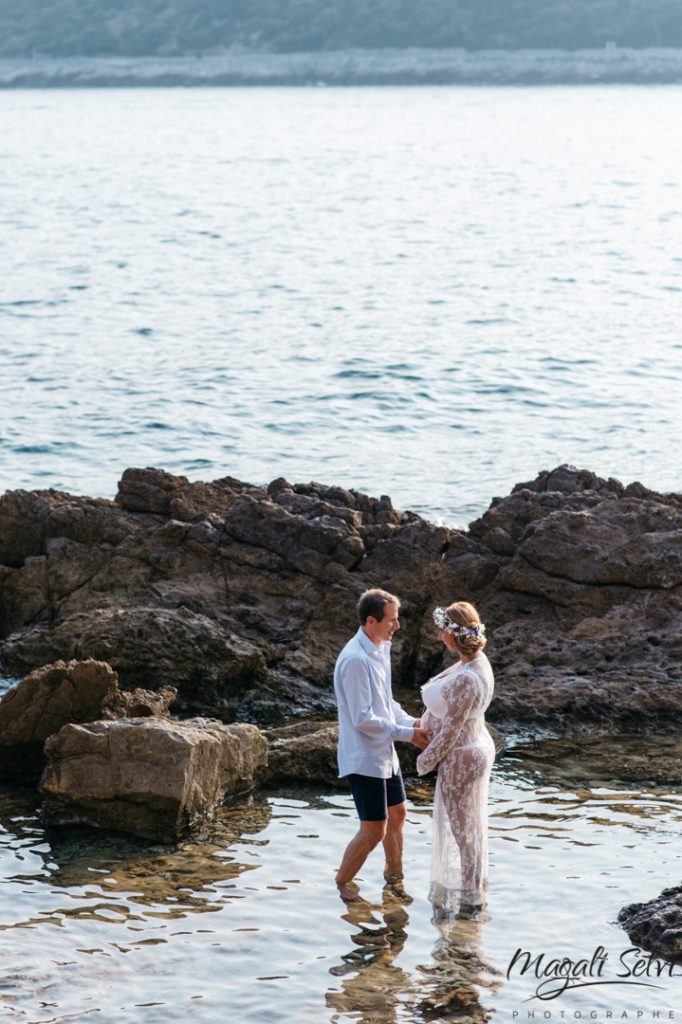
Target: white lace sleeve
column 460, row 696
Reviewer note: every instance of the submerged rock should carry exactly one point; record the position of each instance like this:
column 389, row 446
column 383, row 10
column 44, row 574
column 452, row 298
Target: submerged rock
column 150, row 777
column 657, row 925
column 241, row 597
column 60, row 693
column 611, row 762
column 179, row 878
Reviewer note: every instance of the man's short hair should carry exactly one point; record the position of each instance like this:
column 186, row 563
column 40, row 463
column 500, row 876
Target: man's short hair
column 373, row 602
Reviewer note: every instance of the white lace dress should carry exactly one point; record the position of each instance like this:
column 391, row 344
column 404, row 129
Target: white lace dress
column 462, row 750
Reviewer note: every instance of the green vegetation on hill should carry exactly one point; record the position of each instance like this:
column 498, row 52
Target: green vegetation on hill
column 174, row 27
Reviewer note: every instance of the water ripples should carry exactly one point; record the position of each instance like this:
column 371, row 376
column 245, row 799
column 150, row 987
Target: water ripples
column 250, row 904
column 426, row 292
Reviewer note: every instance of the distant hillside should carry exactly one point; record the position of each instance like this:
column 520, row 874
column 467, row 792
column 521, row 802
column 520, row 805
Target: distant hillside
column 179, row 27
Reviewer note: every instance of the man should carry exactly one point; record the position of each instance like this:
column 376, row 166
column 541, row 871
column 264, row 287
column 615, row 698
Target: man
column 369, row 722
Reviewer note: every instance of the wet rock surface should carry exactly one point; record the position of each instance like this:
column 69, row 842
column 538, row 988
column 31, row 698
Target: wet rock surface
column 241, row 597
column 149, row 777
column 611, row 761
column 657, row 925
column 58, row 694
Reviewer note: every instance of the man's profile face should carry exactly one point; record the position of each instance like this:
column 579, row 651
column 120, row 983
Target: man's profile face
column 385, row 629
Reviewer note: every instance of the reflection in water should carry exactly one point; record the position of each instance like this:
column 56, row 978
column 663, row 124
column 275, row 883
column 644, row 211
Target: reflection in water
column 372, row 985
column 375, row 990
column 85, row 916
column 104, row 876
column 458, row 970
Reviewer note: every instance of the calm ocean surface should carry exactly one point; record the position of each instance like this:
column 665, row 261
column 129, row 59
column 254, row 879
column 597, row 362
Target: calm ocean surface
column 427, row 292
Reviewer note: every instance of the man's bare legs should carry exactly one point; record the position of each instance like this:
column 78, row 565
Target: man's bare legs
column 393, row 848
column 393, row 840
column 369, row 835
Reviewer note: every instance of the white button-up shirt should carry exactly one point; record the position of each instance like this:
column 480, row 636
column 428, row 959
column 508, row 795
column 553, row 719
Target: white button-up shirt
column 369, row 718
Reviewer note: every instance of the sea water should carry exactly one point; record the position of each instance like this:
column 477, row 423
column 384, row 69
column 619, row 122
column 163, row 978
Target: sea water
column 428, row 292
column 243, row 921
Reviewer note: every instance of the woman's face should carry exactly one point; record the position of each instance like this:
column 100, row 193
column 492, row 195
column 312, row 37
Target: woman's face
column 449, row 641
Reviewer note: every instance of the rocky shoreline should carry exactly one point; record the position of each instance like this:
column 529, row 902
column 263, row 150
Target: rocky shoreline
column 240, row 597
column 231, row 602
column 353, row 67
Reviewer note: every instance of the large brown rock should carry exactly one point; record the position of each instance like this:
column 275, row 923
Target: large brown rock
column 149, row 646
column 586, row 606
column 152, row 777
column 60, row 693
column 242, row 596
column 303, row 752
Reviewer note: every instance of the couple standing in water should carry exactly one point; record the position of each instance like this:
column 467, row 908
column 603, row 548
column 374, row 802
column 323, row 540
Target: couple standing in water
column 451, row 735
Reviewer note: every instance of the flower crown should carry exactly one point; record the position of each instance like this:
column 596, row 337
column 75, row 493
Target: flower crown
column 446, row 625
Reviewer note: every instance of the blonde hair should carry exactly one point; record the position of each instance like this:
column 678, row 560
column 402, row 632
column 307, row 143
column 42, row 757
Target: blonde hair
column 464, row 614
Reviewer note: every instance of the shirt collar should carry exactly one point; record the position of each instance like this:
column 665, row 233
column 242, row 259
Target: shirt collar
column 368, row 646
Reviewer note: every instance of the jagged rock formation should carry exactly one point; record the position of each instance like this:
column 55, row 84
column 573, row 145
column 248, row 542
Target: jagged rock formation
column 59, row 694
column 242, row 596
column 657, row 925
column 587, row 599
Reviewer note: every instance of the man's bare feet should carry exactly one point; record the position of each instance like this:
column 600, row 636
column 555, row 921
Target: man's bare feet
column 395, row 889
column 349, row 892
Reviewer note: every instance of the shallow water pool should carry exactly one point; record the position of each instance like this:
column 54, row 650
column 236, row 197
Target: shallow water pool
column 243, row 922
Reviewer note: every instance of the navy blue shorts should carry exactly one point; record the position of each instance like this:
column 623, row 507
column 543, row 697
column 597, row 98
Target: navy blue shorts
column 373, row 796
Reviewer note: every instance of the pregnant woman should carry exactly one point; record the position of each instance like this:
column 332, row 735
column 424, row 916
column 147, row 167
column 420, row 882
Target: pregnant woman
column 462, row 750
